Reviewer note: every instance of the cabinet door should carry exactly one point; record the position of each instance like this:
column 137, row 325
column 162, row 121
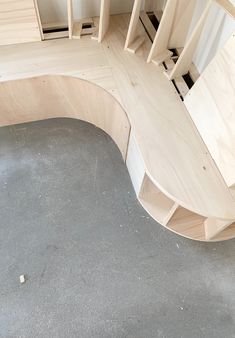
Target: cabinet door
column 18, row 22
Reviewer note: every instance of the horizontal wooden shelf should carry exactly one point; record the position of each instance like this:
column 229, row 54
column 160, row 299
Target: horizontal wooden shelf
column 192, row 225
column 159, row 206
column 188, row 224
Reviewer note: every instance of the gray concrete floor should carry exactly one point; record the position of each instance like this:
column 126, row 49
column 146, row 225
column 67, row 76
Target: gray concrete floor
column 97, row 265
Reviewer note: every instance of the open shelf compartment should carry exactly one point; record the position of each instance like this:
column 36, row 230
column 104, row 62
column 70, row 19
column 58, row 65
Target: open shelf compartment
column 176, row 218
column 192, row 225
column 159, row 206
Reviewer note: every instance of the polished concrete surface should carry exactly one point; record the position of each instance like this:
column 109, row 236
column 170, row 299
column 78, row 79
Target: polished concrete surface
column 96, row 264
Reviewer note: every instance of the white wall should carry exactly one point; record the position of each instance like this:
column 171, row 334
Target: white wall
column 218, row 28
column 56, row 11
column 159, row 5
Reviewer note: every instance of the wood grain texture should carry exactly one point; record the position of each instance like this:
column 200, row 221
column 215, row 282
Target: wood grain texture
column 104, row 19
column 38, row 18
column 211, row 104
column 18, row 22
column 173, row 155
column 191, row 225
column 135, row 45
column 134, row 21
column 163, row 129
column 173, row 28
column 135, row 163
column 148, row 24
column 161, row 40
column 158, row 205
column 213, row 227
column 60, row 96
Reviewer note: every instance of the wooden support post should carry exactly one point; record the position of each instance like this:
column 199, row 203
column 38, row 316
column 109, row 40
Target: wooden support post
column 133, row 42
column 70, row 17
column 77, row 30
column 214, row 226
column 148, row 25
column 183, row 64
column 159, row 51
column 38, row 18
column 104, row 19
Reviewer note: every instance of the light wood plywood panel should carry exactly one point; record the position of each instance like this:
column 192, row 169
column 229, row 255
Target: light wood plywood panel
column 18, row 22
column 159, row 206
column 60, row 96
column 173, row 29
column 104, row 19
column 133, row 41
column 38, row 18
column 174, row 157
column 135, row 164
column 163, row 130
column 191, row 225
column 188, row 224
column 148, row 24
column 70, row 17
column 213, row 227
column 169, row 142
column 182, row 19
column 211, row 104
column 161, row 40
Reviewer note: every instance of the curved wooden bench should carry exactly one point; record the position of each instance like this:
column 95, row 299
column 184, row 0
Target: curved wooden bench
column 178, row 208
column 46, row 97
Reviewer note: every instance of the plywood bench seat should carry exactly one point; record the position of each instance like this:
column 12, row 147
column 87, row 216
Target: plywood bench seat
column 173, row 173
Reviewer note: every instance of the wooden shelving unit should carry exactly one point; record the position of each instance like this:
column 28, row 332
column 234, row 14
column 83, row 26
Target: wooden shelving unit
column 192, row 225
column 180, row 220
column 188, row 224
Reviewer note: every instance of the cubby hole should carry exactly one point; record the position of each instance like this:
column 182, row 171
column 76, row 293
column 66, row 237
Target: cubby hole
column 159, row 206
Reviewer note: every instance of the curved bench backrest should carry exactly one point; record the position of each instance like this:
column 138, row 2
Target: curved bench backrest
column 62, row 96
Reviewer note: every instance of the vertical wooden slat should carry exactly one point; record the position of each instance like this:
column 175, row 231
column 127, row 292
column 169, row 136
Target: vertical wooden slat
column 183, row 64
column 160, row 43
column 131, row 34
column 104, row 19
column 70, row 17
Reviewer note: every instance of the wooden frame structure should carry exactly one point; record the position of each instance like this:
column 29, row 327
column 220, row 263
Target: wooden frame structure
column 178, row 178
column 98, row 29
column 165, row 38
column 28, row 27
